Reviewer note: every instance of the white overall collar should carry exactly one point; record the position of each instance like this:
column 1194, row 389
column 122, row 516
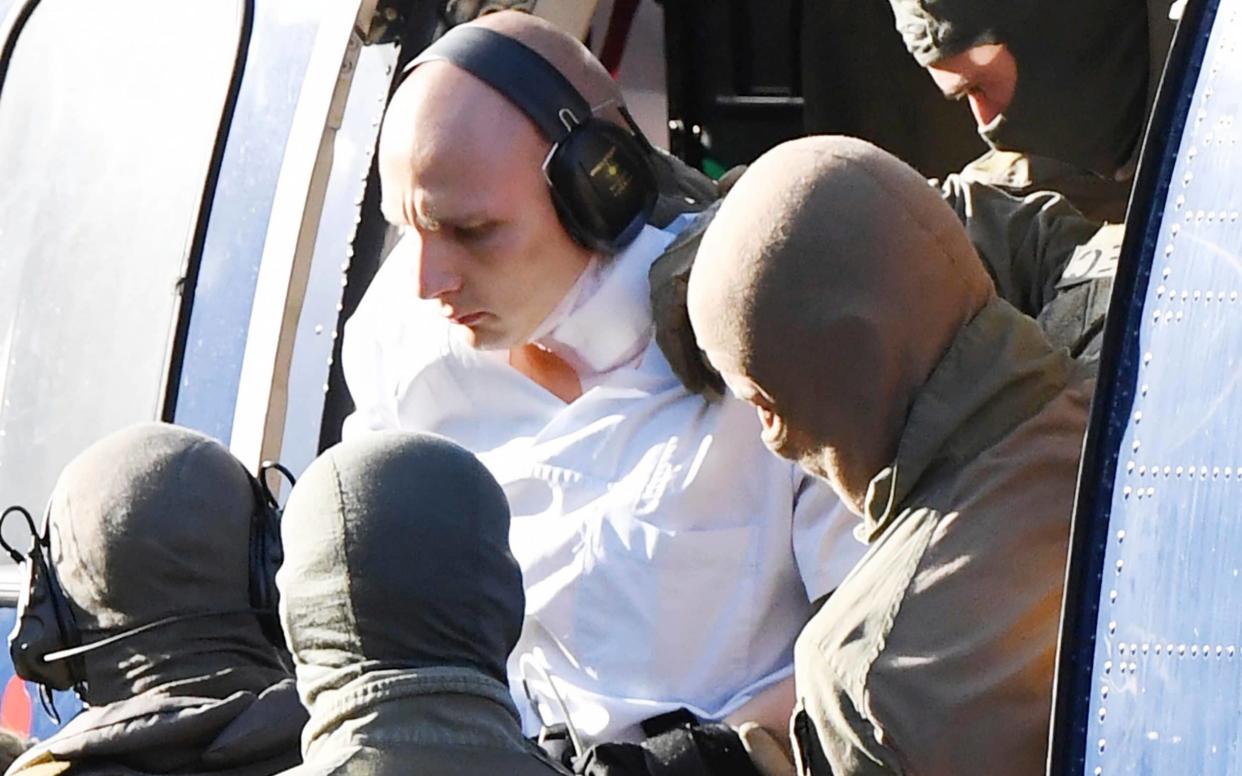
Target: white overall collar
column 604, row 322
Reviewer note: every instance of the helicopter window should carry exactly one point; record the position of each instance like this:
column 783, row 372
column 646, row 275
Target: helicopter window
column 108, row 125
column 281, row 41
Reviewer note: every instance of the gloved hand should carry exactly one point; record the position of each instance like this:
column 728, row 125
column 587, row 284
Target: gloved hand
column 690, row 749
column 669, row 278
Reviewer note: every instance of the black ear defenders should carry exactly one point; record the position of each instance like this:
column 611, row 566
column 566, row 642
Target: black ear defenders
column 267, row 553
column 44, row 621
column 46, row 646
column 599, row 174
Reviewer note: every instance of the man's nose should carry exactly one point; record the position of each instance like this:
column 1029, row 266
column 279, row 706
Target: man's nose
column 437, row 274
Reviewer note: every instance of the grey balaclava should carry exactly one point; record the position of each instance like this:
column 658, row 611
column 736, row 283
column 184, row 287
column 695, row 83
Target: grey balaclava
column 397, row 557
column 150, row 522
column 1082, row 70
column 834, row 278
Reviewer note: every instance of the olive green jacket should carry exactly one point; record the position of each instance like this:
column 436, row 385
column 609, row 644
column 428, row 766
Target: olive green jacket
column 1046, row 259
column 245, row 734
column 935, row 656
column 433, row 721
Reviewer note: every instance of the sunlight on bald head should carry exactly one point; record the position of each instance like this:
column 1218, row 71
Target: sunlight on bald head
column 445, row 122
column 446, row 130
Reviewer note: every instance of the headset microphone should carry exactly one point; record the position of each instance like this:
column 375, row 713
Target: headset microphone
column 46, row 646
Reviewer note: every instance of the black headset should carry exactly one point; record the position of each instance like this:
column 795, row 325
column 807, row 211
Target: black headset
column 46, row 646
column 599, row 174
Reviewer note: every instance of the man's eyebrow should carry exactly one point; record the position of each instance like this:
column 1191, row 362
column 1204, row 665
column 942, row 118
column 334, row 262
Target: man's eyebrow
column 469, row 218
column 424, row 222
column 429, row 224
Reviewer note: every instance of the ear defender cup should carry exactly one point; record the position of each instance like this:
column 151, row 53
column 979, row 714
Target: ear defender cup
column 43, row 626
column 599, row 174
column 266, row 555
column 44, row 622
column 602, row 185
column 46, row 626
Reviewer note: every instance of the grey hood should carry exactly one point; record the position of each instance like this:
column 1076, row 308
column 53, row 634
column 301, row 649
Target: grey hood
column 396, row 559
column 1082, row 70
column 834, row 278
column 151, row 522
column 245, row 733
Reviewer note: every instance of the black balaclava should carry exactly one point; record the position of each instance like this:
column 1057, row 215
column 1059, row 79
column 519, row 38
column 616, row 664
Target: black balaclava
column 150, row 522
column 397, row 557
column 1082, row 71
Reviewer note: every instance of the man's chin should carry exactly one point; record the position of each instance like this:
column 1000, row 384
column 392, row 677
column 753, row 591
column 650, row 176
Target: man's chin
column 481, row 338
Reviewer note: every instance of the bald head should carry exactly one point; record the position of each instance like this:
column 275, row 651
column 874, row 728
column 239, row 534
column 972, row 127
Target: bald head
column 461, row 169
column 825, row 291
column 438, row 81
column 443, row 124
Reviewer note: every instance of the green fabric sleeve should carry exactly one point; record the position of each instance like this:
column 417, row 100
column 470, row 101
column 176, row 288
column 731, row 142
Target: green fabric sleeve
column 1025, row 242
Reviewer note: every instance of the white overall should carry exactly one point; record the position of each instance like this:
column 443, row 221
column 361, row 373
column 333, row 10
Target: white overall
column 669, row 558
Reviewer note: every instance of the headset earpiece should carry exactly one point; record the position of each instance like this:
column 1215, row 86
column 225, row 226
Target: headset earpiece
column 598, row 173
column 42, row 629
column 45, row 622
column 602, row 185
column 267, row 553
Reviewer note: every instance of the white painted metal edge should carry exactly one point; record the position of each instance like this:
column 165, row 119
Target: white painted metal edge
column 259, row 416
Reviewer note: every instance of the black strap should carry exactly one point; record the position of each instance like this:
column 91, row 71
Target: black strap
column 515, row 70
column 677, row 744
column 669, row 720
column 612, row 759
column 1083, row 341
column 711, row 749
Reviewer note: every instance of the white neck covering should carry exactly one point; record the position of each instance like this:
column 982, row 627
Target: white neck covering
column 604, row 322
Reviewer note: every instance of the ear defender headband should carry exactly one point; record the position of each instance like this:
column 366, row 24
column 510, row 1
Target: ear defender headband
column 601, row 181
column 46, row 646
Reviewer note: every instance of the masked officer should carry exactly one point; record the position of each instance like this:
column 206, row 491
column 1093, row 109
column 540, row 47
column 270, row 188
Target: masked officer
column 154, row 586
column 401, row 602
column 1045, row 257
column 862, row 326
column 1061, row 91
